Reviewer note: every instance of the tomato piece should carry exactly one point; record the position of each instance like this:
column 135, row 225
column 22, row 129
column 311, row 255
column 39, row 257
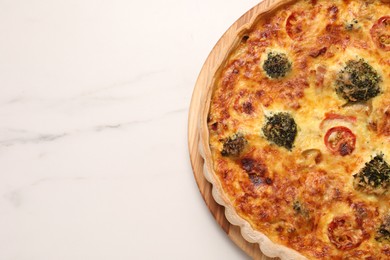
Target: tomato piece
column 296, row 25
column 340, row 140
column 344, row 233
column 380, row 33
column 333, row 116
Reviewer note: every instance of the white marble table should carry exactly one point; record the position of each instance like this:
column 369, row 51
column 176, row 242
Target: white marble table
column 94, row 97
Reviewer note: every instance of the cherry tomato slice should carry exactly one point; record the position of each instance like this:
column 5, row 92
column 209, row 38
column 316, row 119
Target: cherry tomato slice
column 344, row 233
column 380, row 33
column 333, row 116
column 340, row 140
column 296, row 25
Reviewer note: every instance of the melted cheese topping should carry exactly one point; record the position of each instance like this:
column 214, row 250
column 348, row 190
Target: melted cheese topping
column 304, row 198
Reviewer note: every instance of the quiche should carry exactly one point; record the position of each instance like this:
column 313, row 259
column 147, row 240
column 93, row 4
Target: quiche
column 296, row 133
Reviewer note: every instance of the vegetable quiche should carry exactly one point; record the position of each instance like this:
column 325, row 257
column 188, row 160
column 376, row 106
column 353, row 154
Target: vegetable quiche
column 298, row 128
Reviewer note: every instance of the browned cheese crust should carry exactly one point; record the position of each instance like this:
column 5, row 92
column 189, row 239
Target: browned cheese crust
column 306, row 197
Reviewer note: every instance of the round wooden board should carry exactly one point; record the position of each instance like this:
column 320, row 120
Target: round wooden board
column 204, row 80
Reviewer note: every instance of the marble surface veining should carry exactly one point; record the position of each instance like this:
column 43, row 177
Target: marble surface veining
column 94, row 97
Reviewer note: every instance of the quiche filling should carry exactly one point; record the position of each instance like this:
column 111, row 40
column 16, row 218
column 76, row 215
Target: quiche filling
column 299, row 127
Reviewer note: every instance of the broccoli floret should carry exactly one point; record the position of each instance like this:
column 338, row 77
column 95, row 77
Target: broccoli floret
column 280, row 129
column 277, row 65
column 234, row 145
column 357, row 81
column 383, row 232
column 374, row 178
column 300, row 209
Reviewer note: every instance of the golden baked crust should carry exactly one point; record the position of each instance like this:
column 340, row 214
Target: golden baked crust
column 307, row 196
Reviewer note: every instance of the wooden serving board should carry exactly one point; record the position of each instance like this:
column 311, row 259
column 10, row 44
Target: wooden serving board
column 204, row 80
